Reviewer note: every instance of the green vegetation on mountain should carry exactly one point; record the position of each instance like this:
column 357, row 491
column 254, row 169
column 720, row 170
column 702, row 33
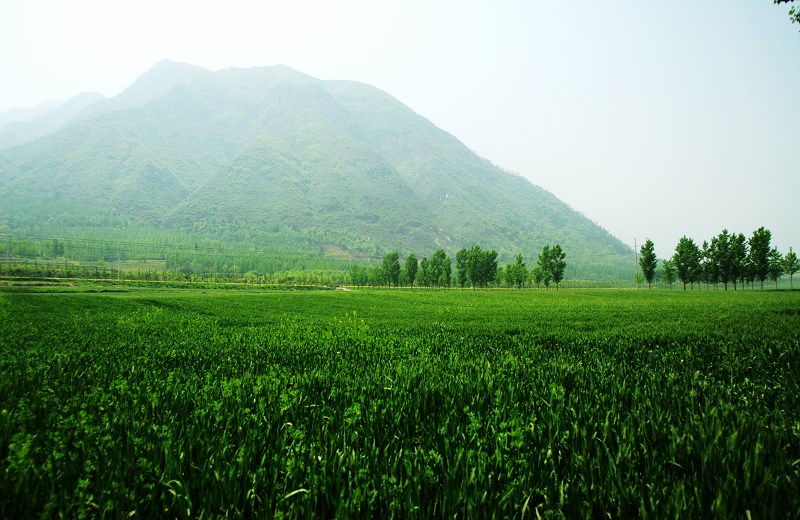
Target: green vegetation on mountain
column 244, row 156
column 43, row 121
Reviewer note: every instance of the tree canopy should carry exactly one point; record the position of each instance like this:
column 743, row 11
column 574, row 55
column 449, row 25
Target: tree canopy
column 759, row 254
column 391, row 268
column 648, row 261
column 687, row 261
column 551, row 265
column 668, row 272
column 411, row 268
column 790, row 266
column 516, row 273
column 481, row 266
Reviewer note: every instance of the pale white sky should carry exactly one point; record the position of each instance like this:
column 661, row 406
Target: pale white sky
column 654, row 119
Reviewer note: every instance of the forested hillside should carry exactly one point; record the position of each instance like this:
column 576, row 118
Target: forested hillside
column 271, row 158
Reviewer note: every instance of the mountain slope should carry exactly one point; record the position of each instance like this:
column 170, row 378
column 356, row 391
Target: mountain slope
column 248, row 152
column 150, row 86
column 26, row 114
column 47, row 121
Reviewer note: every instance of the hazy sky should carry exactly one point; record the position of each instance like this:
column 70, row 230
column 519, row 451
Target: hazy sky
column 654, row 119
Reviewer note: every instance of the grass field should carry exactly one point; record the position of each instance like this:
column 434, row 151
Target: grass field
column 580, row 403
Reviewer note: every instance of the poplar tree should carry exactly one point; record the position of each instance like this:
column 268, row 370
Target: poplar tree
column 461, row 267
column 648, row 261
column 411, row 268
column 447, row 272
column 721, row 245
column 687, row 261
column 559, row 263
column 424, row 272
column 517, row 273
column 738, row 258
column 545, row 271
column 668, row 272
column 437, row 267
column 759, row 254
column 708, row 263
column 537, row 275
column 391, row 268
column 481, row 266
column 775, row 269
column 790, row 266
column 551, row 264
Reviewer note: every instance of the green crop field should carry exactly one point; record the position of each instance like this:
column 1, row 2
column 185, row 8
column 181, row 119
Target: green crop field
column 510, row 404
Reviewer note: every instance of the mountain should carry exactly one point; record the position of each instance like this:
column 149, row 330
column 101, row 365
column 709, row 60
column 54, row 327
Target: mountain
column 26, row 114
column 254, row 154
column 150, row 86
column 44, row 119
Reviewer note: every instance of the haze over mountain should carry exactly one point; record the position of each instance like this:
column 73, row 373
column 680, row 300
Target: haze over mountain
column 22, row 126
column 248, row 152
column 26, row 114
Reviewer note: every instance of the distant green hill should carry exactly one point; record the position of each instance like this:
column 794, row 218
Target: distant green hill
column 254, row 156
column 14, row 133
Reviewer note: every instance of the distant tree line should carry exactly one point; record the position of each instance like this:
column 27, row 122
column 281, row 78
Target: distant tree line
column 730, row 259
column 474, row 267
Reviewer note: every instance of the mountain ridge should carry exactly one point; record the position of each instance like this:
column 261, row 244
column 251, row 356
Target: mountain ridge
column 46, row 119
column 240, row 151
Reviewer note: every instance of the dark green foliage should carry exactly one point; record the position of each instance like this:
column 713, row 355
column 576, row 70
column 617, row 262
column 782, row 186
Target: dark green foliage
column 721, row 256
column 538, row 276
column 776, row 265
column 584, row 404
column 446, row 277
column 759, row 254
column 481, row 266
column 551, row 265
column 648, row 261
column 739, row 263
column 558, row 263
column 58, row 248
column 790, row 266
column 391, row 268
column 709, row 268
column 412, row 264
column 461, row 267
column 725, row 260
column 668, row 272
column 730, row 258
column 425, row 278
column 516, row 273
column 687, row 261
column 544, row 272
column 439, row 269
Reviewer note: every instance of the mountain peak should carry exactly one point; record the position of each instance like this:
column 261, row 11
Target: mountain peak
column 275, row 155
column 169, row 68
column 157, row 81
